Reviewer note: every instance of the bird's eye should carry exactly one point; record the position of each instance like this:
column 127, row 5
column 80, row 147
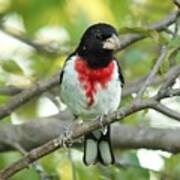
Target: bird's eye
column 102, row 36
column 99, row 36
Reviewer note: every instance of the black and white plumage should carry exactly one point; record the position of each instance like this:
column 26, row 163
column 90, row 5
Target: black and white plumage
column 91, row 84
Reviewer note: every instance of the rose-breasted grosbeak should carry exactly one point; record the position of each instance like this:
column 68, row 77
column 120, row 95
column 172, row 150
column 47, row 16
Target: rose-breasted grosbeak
column 90, row 85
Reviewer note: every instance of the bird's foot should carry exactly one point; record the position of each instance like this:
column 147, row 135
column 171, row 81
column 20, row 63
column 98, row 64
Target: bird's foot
column 66, row 137
column 104, row 128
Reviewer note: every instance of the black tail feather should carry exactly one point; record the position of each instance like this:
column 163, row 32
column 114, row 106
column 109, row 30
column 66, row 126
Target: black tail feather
column 98, row 148
column 90, row 149
column 105, row 152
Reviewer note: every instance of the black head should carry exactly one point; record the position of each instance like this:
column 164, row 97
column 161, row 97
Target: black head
column 97, row 45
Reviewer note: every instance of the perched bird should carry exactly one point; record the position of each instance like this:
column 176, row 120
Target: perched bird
column 90, row 85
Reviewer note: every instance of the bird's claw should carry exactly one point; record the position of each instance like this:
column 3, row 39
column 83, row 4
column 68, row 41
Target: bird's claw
column 104, row 129
column 66, row 138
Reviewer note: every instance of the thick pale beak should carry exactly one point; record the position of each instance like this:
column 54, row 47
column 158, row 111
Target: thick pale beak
column 111, row 43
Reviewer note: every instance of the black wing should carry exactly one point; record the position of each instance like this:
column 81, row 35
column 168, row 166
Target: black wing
column 61, row 76
column 121, row 77
column 62, row 71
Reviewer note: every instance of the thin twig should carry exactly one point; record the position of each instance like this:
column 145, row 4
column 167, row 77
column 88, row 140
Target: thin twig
column 171, row 77
column 166, row 111
column 42, row 49
column 176, row 28
column 152, row 74
column 173, row 55
column 177, row 3
column 125, row 41
column 170, row 32
column 159, row 26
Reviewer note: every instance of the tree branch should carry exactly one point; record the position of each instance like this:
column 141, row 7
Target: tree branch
column 80, row 130
column 129, row 88
column 34, row 133
column 10, row 90
column 27, row 95
column 167, row 86
column 39, row 131
column 142, row 137
column 156, row 136
column 76, row 133
column 166, row 111
column 42, row 49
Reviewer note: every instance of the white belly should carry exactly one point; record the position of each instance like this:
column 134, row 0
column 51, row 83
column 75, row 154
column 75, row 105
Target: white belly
column 106, row 100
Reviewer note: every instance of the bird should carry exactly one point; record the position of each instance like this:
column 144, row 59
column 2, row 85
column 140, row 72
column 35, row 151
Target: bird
column 91, row 83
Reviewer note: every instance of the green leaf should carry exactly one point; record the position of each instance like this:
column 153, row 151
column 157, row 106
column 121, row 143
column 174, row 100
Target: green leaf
column 12, row 67
column 41, row 66
column 172, row 166
column 132, row 170
column 166, row 64
column 3, row 100
column 28, row 111
column 131, row 158
column 155, row 36
column 178, row 58
column 175, row 43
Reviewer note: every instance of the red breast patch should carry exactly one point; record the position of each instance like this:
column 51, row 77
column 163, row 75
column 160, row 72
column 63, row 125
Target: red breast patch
column 89, row 78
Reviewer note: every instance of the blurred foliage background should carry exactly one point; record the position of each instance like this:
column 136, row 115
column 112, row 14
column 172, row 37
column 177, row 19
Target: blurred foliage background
column 60, row 23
